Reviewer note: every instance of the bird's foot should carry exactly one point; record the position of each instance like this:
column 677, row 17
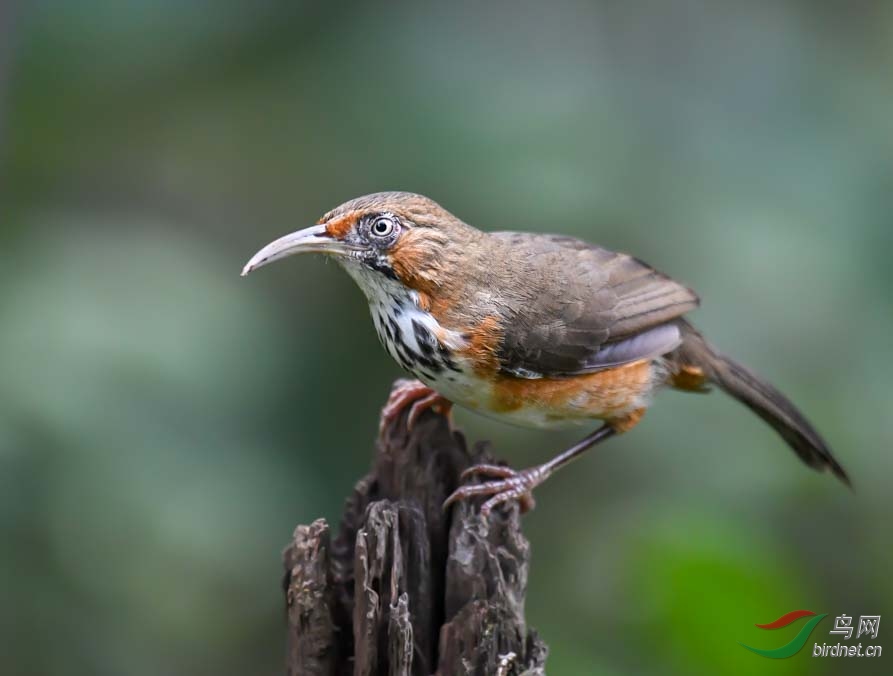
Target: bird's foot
column 508, row 485
column 407, row 392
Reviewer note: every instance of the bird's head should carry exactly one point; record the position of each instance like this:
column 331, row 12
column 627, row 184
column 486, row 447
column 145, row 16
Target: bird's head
column 383, row 238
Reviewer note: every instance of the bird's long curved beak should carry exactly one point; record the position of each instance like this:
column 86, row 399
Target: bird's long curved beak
column 308, row 240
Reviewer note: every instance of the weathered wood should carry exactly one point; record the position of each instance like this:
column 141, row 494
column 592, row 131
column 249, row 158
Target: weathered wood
column 309, row 599
column 407, row 588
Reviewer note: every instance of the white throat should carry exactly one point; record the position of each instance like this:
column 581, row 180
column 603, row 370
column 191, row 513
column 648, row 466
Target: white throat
column 411, row 335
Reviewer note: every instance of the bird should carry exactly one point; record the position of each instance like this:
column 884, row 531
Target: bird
column 538, row 330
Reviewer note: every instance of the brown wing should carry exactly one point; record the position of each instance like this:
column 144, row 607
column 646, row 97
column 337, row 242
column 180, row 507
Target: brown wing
column 592, row 308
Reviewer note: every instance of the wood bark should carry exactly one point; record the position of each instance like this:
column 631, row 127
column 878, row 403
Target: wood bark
column 405, row 587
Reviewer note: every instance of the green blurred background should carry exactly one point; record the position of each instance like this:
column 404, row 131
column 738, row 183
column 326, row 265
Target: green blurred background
column 164, row 424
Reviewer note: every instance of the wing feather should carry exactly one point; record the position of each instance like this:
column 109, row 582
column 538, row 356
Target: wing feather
column 592, row 308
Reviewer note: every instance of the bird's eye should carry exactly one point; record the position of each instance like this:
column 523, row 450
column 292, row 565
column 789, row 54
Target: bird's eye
column 382, row 227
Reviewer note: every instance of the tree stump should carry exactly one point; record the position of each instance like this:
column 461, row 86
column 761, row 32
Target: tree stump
column 406, row 587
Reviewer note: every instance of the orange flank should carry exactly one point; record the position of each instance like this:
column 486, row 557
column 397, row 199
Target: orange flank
column 610, row 394
column 626, row 422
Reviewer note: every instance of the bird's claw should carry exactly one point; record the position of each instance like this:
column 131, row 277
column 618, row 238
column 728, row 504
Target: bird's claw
column 432, row 401
column 493, row 471
column 509, row 484
column 406, row 392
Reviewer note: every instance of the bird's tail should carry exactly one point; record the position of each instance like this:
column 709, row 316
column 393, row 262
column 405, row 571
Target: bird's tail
column 696, row 355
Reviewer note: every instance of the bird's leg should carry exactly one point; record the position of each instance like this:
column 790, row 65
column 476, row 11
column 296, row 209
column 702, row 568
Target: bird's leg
column 407, row 392
column 510, row 484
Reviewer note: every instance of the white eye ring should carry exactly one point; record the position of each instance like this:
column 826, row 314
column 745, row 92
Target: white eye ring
column 382, row 227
